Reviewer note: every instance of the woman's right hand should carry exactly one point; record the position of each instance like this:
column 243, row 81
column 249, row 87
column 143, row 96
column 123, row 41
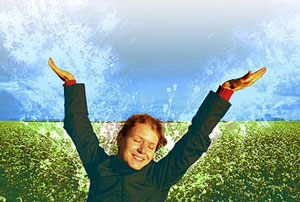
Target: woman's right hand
column 63, row 75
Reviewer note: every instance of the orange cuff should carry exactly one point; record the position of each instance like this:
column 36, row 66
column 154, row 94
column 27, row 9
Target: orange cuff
column 224, row 93
column 70, row 82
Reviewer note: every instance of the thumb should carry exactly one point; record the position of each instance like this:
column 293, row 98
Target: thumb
column 247, row 75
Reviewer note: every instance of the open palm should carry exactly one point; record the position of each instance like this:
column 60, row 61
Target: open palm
column 245, row 81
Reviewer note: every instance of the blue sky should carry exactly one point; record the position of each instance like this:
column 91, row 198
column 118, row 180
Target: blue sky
column 157, row 57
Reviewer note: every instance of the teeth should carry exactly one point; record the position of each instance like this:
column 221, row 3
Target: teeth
column 138, row 158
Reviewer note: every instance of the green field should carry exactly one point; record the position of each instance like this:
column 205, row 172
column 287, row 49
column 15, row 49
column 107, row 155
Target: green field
column 247, row 161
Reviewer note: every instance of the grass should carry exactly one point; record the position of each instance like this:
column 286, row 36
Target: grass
column 249, row 161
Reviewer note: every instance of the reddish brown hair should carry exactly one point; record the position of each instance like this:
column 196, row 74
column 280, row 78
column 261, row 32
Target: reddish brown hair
column 147, row 119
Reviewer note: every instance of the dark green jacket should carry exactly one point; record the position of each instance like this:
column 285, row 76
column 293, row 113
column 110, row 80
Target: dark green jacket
column 111, row 179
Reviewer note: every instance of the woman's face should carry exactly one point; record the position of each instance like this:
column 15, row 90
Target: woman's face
column 137, row 148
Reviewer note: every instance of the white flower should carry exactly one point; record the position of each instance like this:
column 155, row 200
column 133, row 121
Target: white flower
column 196, row 89
column 243, row 130
column 265, row 123
column 165, row 107
column 170, row 144
column 54, row 134
column 176, row 133
column 215, row 133
column 174, row 87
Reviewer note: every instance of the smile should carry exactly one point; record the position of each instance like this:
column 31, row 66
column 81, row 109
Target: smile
column 137, row 158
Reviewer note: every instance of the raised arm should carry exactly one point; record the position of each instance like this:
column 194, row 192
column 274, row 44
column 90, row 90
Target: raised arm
column 196, row 141
column 193, row 144
column 77, row 123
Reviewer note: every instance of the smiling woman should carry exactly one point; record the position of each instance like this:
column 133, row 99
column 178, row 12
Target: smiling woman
column 150, row 121
column 138, row 140
column 137, row 147
column 133, row 167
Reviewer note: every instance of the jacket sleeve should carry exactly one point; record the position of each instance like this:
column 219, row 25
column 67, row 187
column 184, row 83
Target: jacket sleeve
column 78, row 126
column 193, row 144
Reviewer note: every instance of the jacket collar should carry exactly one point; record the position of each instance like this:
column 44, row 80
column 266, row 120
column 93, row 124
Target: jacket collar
column 120, row 166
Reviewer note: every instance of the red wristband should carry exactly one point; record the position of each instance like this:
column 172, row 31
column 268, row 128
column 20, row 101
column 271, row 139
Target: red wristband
column 224, row 93
column 70, row 82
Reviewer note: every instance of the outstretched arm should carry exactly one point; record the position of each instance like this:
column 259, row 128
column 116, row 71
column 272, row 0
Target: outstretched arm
column 77, row 123
column 196, row 141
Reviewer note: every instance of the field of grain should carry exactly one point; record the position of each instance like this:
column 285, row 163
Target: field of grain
column 247, row 161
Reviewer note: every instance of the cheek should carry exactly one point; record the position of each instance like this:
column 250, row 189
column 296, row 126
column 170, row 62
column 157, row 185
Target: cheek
column 150, row 155
column 131, row 146
column 126, row 147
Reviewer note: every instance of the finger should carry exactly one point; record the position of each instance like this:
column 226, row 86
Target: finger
column 246, row 76
column 53, row 66
column 250, row 83
column 58, row 71
column 255, row 76
column 261, row 71
column 258, row 74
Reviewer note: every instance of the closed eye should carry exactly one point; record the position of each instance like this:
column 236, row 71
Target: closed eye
column 136, row 140
column 151, row 147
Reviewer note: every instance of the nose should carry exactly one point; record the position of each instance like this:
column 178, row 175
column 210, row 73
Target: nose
column 141, row 149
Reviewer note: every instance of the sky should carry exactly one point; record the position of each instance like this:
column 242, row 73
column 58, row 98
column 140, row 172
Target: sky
column 160, row 57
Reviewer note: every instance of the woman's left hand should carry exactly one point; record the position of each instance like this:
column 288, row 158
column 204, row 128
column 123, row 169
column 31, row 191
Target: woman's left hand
column 245, row 81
